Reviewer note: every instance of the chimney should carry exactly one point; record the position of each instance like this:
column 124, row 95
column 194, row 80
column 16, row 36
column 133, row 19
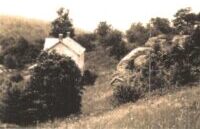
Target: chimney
column 68, row 34
column 60, row 37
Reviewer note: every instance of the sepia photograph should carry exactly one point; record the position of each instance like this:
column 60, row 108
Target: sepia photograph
column 99, row 64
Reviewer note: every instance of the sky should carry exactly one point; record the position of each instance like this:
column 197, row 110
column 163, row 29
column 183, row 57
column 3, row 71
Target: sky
column 86, row 14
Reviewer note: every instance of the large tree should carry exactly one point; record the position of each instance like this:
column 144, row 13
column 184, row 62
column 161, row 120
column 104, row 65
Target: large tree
column 62, row 24
column 161, row 25
column 54, row 89
column 185, row 21
column 137, row 33
column 102, row 30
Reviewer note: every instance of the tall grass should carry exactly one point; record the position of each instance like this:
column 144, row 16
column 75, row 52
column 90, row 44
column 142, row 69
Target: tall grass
column 180, row 110
column 31, row 29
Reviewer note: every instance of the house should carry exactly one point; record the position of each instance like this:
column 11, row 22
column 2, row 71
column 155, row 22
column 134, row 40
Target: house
column 67, row 47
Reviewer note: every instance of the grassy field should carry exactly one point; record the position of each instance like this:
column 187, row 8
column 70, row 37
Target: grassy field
column 179, row 110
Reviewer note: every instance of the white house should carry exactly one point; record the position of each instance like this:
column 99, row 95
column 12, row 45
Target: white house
column 67, row 47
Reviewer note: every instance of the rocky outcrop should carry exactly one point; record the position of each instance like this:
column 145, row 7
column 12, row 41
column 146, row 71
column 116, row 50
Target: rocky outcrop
column 160, row 39
column 130, row 57
column 180, row 40
column 138, row 57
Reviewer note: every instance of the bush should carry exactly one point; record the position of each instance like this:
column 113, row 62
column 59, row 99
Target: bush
column 19, row 52
column 169, row 69
column 137, row 33
column 88, row 78
column 54, row 90
column 112, row 38
column 102, row 30
column 86, row 40
column 123, row 94
column 11, row 106
column 161, row 25
column 118, row 50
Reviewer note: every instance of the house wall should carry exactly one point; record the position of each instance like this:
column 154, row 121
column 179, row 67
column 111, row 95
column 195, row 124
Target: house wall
column 63, row 50
column 82, row 61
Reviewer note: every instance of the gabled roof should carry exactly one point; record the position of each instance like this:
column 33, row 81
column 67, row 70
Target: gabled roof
column 68, row 42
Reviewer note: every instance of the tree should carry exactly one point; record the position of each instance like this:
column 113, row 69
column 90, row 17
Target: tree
column 185, row 21
column 112, row 38
column 62, row 24
column 54, row 89
column 102, row 30
column 137, row 33
column 16, row 53
column 118, row 50
column 162, row 25
column 86, row 40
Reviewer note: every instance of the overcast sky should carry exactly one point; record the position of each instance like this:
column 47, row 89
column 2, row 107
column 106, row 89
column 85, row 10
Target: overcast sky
column 86, row 14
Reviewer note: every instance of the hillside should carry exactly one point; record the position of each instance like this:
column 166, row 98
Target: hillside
column 174, row 110
column 31, row 29
column 97, row 97
column 178, row 110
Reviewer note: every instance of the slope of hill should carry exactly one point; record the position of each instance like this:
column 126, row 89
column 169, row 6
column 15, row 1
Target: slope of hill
column 96, row 98
column 31, row 29
column 178, row 110
column 175, row 110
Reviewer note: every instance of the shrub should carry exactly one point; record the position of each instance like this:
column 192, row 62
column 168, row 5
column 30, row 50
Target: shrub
column 137, row 33
column 167, row 69
column 11, row 106
column 102, row 30
column 54, row 89
column 118, row 50
column 123, row 94
column 112, row 38
column 19, row 52
column 161, row 25
column 86, row 40
column 88, row 78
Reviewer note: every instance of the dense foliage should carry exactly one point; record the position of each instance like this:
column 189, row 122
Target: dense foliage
column 124, row 94
column 102, row 30
column 62, row 24
column 87, row 40
column 54, row 91
column 185, row 21
column 18, row 52
column 12, row 104
column 137, row 33
column 169, row 67
column 112, row 39
column 161, row 25
column 89, row 77
column 55, row 87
